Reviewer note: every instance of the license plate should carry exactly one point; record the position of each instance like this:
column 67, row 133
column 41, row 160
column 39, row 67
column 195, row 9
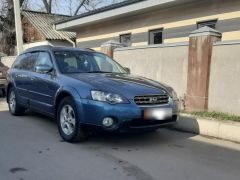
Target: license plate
column 157, row 113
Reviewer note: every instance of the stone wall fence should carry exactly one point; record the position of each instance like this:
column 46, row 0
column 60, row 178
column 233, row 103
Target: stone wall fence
column 204, row 71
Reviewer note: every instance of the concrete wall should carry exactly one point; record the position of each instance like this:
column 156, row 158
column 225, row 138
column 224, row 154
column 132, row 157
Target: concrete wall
column 224, row 87
column 163, row 63
column 169, row 64
column 30, row 33
column 177, row 23
column 8, row 60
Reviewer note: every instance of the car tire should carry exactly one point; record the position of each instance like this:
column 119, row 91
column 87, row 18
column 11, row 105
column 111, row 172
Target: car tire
column 13, row 105
column 68, row 122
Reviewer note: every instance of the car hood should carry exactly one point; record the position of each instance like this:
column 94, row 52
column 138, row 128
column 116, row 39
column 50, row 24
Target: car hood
column 123, row 84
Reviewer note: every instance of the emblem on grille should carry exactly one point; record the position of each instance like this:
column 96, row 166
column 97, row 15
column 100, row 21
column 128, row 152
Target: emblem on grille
column 153, row 99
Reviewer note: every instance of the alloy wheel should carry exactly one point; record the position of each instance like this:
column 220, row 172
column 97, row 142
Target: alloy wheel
column 12, row 101
column 67, row 119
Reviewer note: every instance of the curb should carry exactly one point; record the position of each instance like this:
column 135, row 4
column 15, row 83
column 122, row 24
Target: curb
column 227, row 130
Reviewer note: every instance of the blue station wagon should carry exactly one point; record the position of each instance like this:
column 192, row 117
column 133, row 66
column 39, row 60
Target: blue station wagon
column 82, row 88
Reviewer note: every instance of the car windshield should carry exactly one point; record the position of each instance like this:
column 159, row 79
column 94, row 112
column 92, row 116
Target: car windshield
column 86, row 62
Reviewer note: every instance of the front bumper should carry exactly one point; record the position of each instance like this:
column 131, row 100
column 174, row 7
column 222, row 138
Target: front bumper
column 127, row 117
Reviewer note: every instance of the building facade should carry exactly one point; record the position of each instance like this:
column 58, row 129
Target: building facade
column 145, row 22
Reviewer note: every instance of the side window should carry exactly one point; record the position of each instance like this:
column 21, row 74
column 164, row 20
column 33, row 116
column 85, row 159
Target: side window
column 211, row 24
column 26, row 62
column 44, row 59
column 31, row 61
column 126, row 39
column 18, row 63
column 156, row 36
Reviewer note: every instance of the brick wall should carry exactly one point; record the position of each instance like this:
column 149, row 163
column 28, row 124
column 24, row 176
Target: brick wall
column 30, row 34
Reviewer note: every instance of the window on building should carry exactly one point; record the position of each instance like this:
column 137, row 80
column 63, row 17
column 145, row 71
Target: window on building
column 211, row 24
column 156, row 36
column 126, row 39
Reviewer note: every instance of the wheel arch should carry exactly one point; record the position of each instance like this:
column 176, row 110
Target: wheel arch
column 61, row 94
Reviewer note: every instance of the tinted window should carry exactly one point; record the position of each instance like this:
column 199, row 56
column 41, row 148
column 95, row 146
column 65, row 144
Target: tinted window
column 26, row 61
column 31, row 61
column 86, row 62
column 44, row 59
column 156, row 36
column 17, row 63
column 126, row 39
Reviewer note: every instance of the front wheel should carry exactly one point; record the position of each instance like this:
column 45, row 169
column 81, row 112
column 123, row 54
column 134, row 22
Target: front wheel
column 68, row 122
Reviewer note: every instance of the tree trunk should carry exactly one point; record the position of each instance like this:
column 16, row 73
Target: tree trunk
column 8, row 37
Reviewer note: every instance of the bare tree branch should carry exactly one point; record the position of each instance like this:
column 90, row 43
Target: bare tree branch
column 80, row 5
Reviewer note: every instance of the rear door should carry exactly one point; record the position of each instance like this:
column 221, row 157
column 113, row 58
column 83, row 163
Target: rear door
column 20, row 73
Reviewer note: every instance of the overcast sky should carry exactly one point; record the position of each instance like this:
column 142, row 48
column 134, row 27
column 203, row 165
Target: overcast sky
column 67, row 7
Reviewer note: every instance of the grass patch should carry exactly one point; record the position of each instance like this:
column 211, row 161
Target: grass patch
column 214, row 115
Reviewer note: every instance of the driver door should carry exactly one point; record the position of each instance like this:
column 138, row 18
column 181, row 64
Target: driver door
column 44, row 86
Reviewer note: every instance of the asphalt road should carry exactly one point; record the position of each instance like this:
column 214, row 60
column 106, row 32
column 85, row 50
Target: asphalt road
column 31, row 149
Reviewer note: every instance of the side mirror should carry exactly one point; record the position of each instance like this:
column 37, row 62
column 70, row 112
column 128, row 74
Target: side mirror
column 43, row 69
column 127, row 70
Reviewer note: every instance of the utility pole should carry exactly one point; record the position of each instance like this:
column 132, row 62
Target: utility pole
column 18, row 26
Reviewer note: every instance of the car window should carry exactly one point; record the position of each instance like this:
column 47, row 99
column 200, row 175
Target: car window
column 71, row 61
column 44, row 59
column 26, row 61
column 17, row 63
column 106, row 65
column 86, row 62
column 31, row 61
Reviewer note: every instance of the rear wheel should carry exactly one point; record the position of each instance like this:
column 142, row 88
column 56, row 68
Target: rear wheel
column 14, row 108
column 68, row 122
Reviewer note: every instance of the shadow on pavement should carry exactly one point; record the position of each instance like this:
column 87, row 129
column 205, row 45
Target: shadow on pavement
column 42, row 123
column 187, row 124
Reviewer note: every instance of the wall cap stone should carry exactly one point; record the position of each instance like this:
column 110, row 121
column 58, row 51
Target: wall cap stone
column 153, row 46
column 205, row 31
column 112, row 43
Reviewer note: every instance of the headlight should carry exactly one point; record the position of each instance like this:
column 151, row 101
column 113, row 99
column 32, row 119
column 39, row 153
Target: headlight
column 172, row 93
column 108, row 97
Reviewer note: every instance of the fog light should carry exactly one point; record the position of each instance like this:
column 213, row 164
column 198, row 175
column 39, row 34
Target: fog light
column 107, row 122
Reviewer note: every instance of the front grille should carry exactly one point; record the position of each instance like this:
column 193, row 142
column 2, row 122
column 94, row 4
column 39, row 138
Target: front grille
column 151, row 99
